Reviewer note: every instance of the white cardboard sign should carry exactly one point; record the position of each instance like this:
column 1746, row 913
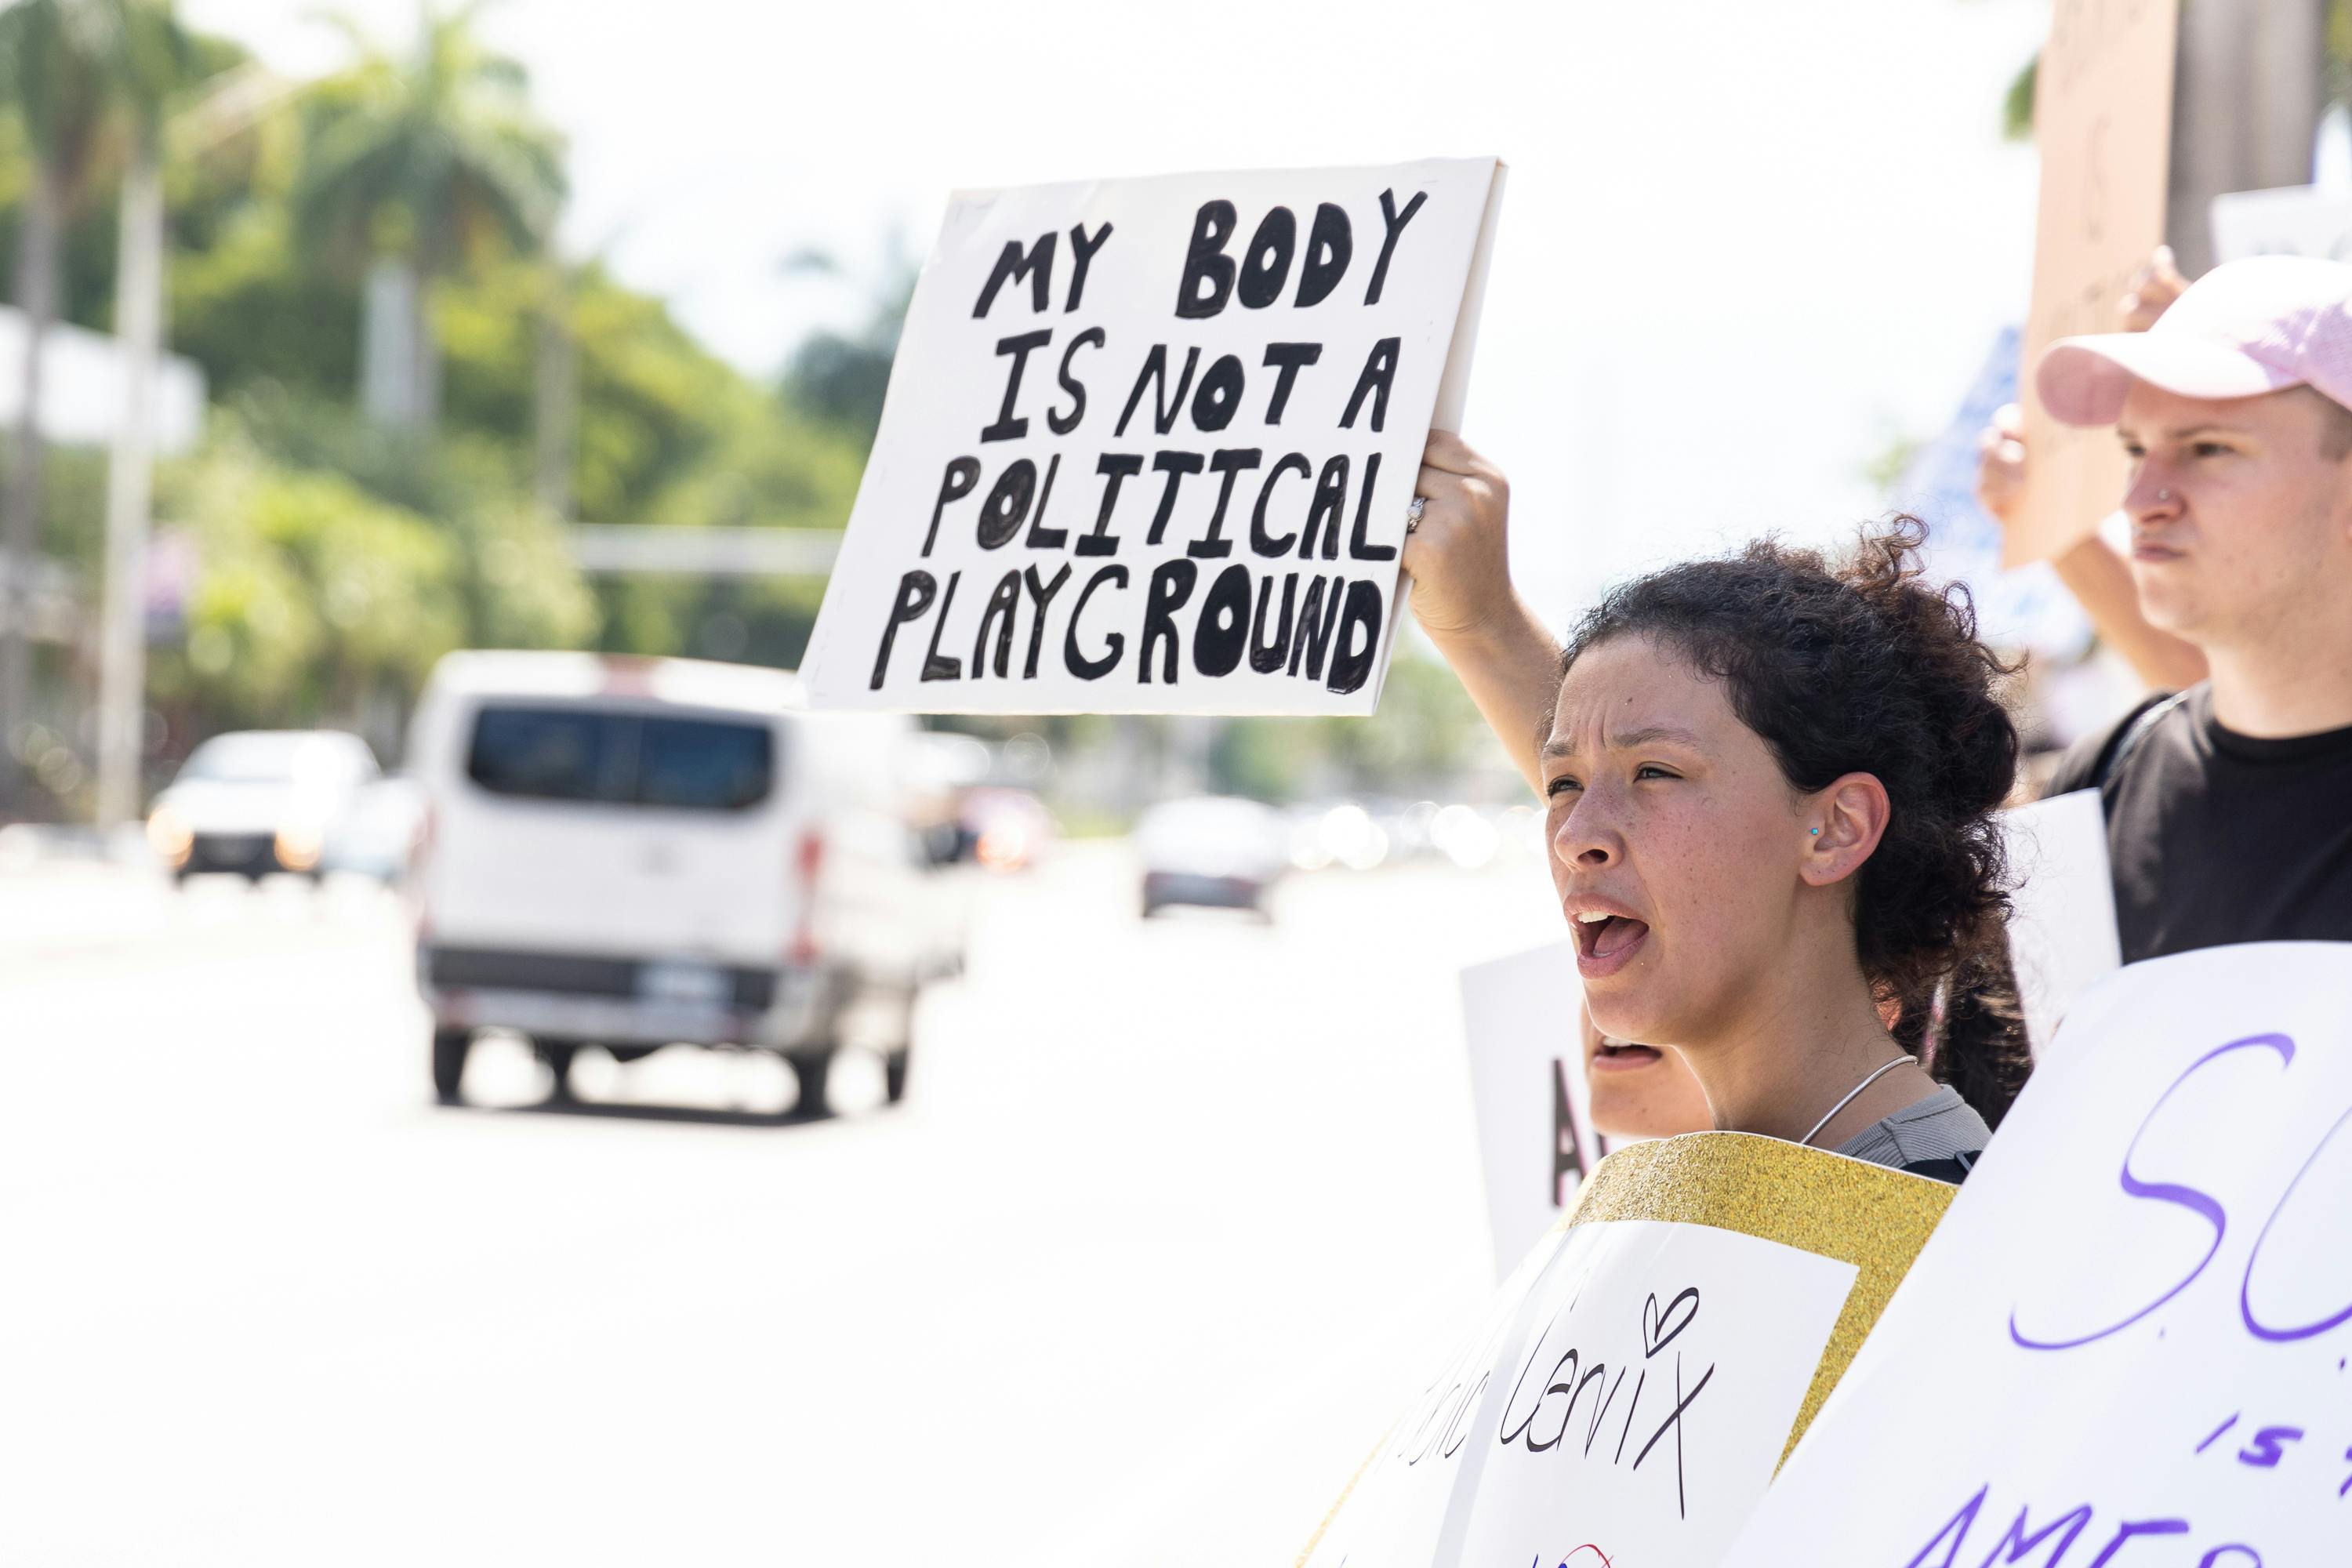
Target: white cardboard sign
column 1149, row 444
column 1629, row 1394
column 1536, row 1139
column 2061, row 927
column 2291, row 220
column 2130, row 1341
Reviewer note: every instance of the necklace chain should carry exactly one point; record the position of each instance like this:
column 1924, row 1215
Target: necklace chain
column 1883, row 1069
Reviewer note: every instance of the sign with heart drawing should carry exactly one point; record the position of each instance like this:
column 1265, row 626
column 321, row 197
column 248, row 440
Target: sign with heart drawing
column 1634, row 1386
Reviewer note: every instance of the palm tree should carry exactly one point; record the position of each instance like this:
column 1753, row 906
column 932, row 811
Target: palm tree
column 79, row 75
column 411, row 166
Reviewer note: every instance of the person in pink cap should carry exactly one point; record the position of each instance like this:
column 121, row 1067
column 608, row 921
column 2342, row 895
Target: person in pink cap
column 2230, row 803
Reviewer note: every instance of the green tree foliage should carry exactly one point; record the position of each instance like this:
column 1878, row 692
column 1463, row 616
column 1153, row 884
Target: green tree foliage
column 314, row 596
column 1427, row 737
column 337, row 558
column 2016, row 104
column 840, row 378
column 420, row 166
column 435, row 158
column 83, row 81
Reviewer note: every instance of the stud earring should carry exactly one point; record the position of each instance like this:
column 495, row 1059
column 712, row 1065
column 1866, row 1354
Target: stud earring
column 1817, row 832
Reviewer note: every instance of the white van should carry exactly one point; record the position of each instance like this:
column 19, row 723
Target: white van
column 634, row 853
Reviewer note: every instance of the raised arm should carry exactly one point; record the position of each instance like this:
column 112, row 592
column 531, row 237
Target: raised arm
column 1462, row 593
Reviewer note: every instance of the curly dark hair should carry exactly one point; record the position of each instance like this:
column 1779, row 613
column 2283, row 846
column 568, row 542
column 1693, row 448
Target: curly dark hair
column 1860, row 667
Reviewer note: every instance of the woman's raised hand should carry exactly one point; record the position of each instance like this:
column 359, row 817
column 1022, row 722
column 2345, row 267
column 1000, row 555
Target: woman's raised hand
column 1458, row 554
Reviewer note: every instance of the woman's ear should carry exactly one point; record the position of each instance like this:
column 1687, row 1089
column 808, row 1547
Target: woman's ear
column 1842, row 826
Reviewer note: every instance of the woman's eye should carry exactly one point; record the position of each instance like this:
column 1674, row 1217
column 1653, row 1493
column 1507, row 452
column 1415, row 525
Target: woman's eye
column 1651, row 771
column 2209, row 449
column 1561, row 785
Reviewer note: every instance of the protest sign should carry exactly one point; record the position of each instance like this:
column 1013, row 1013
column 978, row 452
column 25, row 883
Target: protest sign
column 1149, row 444
column 1521, row 1019
column 2062, row 923
column 2135, row 1321
column 2103, row 122
column 2292, row 220
column 1633, row 1386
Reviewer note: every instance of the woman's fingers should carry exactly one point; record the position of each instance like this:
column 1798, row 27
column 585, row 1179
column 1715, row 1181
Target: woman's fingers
column 1458, row 553
column 1450, row 454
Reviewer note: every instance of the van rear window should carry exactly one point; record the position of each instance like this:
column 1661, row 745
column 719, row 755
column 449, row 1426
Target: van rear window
column 621, row 759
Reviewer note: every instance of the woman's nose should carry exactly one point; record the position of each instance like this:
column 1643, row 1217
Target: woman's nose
column 1584, row 838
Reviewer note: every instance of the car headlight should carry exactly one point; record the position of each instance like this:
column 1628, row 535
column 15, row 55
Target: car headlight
column 298, row 846
column 169, row 835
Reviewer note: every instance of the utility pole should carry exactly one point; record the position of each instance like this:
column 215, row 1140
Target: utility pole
column 2250, row 82
column 130, row 486
column 555, row 398
column 235, row 103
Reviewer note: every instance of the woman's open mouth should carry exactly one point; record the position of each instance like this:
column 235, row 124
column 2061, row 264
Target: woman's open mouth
column 1606, row 943
column 1620, row 1055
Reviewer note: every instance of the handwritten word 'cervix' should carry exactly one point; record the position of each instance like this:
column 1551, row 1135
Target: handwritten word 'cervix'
column 1573, row 1375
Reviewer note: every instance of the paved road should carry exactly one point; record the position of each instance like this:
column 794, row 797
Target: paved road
column 1172, row 1215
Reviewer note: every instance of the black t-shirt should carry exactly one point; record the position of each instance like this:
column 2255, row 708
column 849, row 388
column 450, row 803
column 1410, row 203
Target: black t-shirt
column 2218, row 837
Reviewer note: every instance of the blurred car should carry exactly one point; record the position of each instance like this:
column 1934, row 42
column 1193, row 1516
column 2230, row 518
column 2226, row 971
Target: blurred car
column 256, row 801
column 1216, row 851
column 376, row 836
column 1001, row 829
column 635, row 853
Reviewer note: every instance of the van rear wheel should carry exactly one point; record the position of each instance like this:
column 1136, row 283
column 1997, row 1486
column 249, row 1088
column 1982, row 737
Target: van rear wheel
column 812, row 1069
column 449, row 1048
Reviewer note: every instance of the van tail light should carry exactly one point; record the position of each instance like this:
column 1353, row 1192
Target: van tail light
column 420, row 844
column 411, row 883
column 808, row 861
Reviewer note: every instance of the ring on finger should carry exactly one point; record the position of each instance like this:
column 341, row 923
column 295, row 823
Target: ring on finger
column 1412, row 513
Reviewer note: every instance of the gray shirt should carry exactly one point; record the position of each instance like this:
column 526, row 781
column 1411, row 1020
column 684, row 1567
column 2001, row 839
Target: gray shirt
column 1937, row 1128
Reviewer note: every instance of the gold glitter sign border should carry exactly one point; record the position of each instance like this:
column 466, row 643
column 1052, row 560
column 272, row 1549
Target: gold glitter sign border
column 1828, row 1204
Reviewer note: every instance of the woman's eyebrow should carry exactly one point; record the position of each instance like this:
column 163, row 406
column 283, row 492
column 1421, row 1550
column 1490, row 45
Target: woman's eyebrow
column 1652, row 735
column 1630, row 739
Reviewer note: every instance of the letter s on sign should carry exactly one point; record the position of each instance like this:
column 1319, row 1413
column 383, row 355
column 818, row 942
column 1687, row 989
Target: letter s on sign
column 2164, row 1192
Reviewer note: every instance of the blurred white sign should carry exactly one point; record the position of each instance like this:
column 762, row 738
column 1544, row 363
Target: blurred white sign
column 2061, row 927
column 1148, row 444
column 2292, row 220
column 1626, row 1400
column 81, row 387
column 1520, row 1020
column 2128, row 1340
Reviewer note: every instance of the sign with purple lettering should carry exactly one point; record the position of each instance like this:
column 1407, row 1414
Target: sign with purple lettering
column 1631, row 1391
column 1149, row 444
column 2130, row 1344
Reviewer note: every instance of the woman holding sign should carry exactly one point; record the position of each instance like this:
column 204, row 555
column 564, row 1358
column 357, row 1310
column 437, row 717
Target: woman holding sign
column 1770, row 783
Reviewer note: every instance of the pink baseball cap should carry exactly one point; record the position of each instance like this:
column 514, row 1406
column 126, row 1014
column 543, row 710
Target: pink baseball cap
column 2247, row 327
